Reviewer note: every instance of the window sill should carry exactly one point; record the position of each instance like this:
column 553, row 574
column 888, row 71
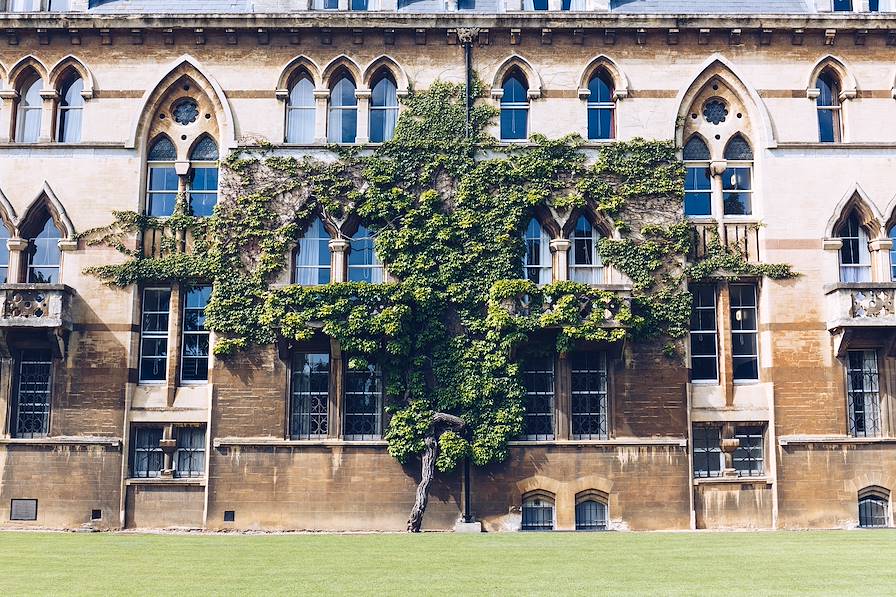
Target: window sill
column 114, row 442
column 197, row 481
column 619, row 441
column 806, row 440
column 227, row 442
column 758, row 480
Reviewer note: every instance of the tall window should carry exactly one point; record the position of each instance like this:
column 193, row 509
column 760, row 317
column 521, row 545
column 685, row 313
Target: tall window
column 589, row 395
column 32, row 393
column 515, row 108
column 363, row 263
column 748, row 457
column 828, row 107
column 195, row 338
column 874, row 509
column 154, row 334
column 538, row 513
column 855, row 257
column 744, row 332
column 28, row 110
column 44, row 255
column 537, row 260
column 698, row 179
column 162, row 180
column 737, row 188
column 300, row 110
column 383, row 109
column 71, row 107
column 591, row 515
column 585, row 265
column 704, row 335
column 189, row 457
column 601, row 106
column 310, row 395
column 147, row 458
column 312, row 256
column 863, row 393
column 202, row 190
column 843, row 5
column 363, row 411
column 4, row 254
column 892, row 235
column 707, row 448
column 538, row 379
column 343, row 121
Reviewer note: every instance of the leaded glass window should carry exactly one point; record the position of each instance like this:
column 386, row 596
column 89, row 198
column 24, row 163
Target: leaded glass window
column 601, row 106
column 591, row 515
column 704, row 335
column 828, row 107
column 744, row 332
column 202, row 189
column 538, row 379
column 300, row 111
column 44, row 255
column 874, row 511
column 748, row 458
column 863, row 393
column 154, row 334
column 147, row 458
column 515, row 108
column 195, row 342
column 537, row 260
column 312, row 256
column 162, row 180
column 707, row 440
column 343, row 117
column 585, row 264
column 363, row 411
column 589, row 395
column 363, row 263
column 855, row 256
column 71, row 108
column 28, row 110
column 310, row 395
column 383, row 109
column 538, row 513
column 189, row 457
column 32, row 393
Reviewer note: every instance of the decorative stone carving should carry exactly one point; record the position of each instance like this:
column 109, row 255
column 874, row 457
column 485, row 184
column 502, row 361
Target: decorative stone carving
column 872, row 303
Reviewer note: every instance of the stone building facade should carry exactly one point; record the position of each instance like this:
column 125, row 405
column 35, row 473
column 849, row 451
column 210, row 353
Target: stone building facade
column 114, row 414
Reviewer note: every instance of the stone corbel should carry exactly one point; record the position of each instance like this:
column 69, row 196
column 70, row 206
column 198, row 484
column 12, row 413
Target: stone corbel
column 181, row 168
column 67, row 244
column 847, row 94
column 497, row 93
column 812, row 93
column 880, row 244
column 533, row 94
column 718, row 167
column 281, row 94
column 831, row 244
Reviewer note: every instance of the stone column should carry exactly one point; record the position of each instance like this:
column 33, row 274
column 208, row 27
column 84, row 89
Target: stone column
column 7, row 111
column 175, row 323
column 168, row 445
column 334, row 405
column 880, row 259
column 560, row 258
column 321, row 99
column 338, row 249
column 48, row 115
column 563, row 397
column 17, row 271
column 725, row 358
column 717, row 169
column 363, row 135
column 728, row 445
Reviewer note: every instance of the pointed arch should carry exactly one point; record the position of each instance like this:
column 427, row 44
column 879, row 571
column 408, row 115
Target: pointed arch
column 718, row 66
column 696, row 149
column 517, row 61
column 67, row 64
column 848, row 85
column 547, row 221
column 600, row 222
column 606, row 64
column 341, row 62
column 4, row 79
column 398, row 73
column 45, row 202
column 23, row 65
column 8, row 215
column 738, row 148
column 856, row 200
column 185, row 66
column 292, row 67
column 204, row 148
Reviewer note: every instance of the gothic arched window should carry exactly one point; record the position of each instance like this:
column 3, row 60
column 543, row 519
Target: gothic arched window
column 383, row 109
column 537, row 259
column 343, row 117
column 585, row 264
column 312, row 256
column 601, row 106
column 515, row 108
column 71, row 108
column 300, row 110
column 44, row 256
column 29, row 108
column 827, row 104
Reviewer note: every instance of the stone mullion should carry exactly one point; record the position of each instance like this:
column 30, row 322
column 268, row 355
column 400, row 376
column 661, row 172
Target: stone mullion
column 6, row 376
column 10, row 98
column 175, row 325
column 337, row 382
column 338, row 249
column 560, row 258
column 563, row 398
column 321, row 101
column 47, row 115
column 18, row 271
column 880, row 259
column 726, row 359
column 363, row 133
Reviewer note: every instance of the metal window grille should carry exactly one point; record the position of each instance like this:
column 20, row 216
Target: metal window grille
column 310, row 395
column 591, row 516
column 873, row 512
column 744, row 332
column 749, row 456
column 154, row 334
column 33, row 393
column 538, row 514
column 195, row 338
column 189, row 457
column 538, row 379
column 707, row 451
column 363, row 417
column 704, row 335
column 589, row 395
column 863, row 393
column 146, row 453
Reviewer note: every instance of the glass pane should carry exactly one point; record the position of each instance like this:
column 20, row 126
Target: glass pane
column 600, row 123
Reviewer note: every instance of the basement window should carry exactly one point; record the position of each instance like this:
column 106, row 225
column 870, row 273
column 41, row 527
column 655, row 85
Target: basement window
column 23, row 509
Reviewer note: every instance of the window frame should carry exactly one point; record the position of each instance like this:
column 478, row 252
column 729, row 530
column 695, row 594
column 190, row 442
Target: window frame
column 378, row 414
column 150, row 451
column 63, row 110
column 384, row 110
column 22, row 110
column 872, row 394
column 150, row 192
column 543, row 272
column 153, row 335
column 301, row 75
column 528, row 369
column 319, row 267
column 333, row 108
column 714, row 332
column 514, row 106
column 45, row 406
column 869, row 500
column 746, row 454
column 598, row 106
column 734, row 332
column 374, row 266
column 185, row 333
column 32, row 250
column 594, row 271
column 861, row 270
column 601, row 522
column 540, row 522
column 601, row 395
column 305, row 410
column 706, row 448
column 191, row 452
column 833, row 84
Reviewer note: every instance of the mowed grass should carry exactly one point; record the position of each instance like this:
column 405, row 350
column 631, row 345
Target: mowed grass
column 762, row 563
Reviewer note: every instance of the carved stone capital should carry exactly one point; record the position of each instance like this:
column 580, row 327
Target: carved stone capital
column 467, row 35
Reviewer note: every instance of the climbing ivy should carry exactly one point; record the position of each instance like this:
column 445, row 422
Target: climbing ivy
column 448, row 211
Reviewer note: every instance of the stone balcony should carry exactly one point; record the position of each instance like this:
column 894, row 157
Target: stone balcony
column 523, row 305
column 36, row 306
column 860, row 311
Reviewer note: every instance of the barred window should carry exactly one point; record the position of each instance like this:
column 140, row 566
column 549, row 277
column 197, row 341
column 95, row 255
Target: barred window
column 363, row 416
column 154, row 334
column 749, row 455
column 744, row 332
column 874, row 509
column 310, row 395
column 538, row 513
column 537, row 259
column 589, row 395
column 189, row 457
column 707, row 451
column 147, row 459
column 704, row 335
column 538, row 379
column 591, row 515
column 32, row 393
column 195, row 338
column 863, row 393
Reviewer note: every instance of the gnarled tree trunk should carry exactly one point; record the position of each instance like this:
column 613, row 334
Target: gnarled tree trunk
column 428, row 466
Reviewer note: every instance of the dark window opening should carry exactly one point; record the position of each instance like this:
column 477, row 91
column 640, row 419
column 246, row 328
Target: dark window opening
column 538, row 379
column 310, row 395
column 32, row 393
column 538, row 514
column 591, row 515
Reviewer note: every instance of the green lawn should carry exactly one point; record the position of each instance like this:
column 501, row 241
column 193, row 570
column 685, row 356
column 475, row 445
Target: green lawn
column 834, row 562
